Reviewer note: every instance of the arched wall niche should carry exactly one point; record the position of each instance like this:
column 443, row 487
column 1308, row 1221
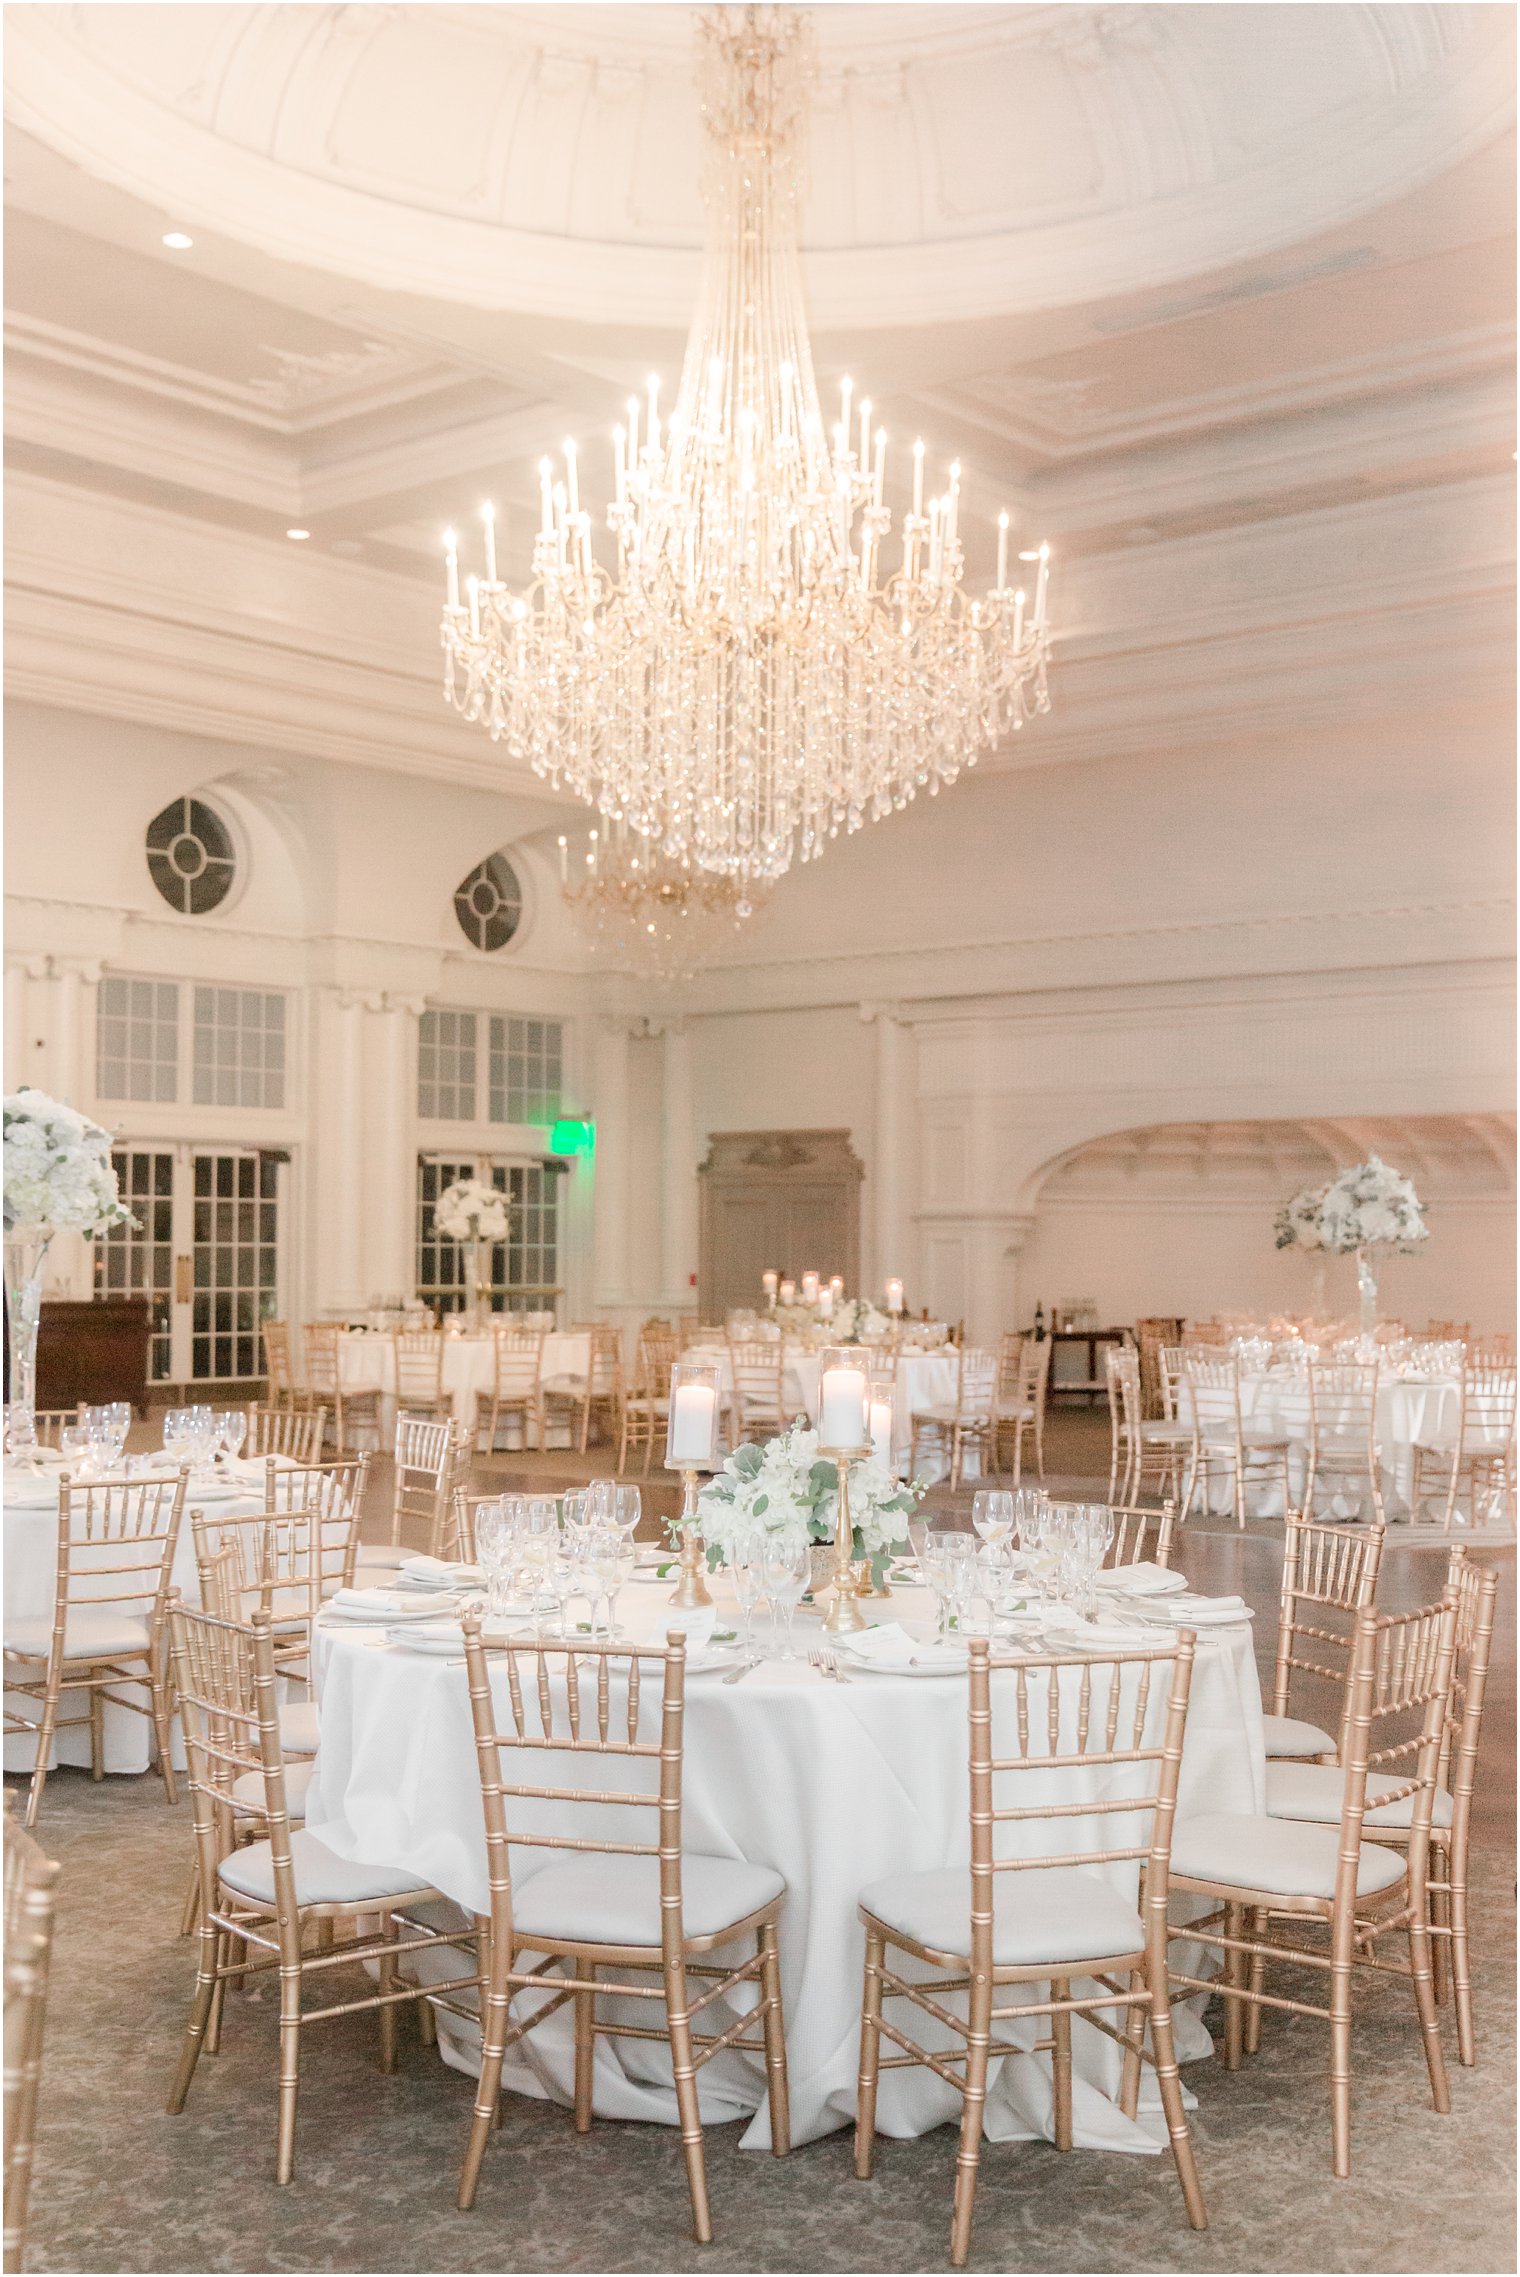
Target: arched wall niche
column 1178, row 1217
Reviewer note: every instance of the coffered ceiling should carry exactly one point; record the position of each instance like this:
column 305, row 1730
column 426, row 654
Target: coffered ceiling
column 1156, row 273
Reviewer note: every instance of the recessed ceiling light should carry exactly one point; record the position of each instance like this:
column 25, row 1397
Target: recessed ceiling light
column 298, row 534
column 177, row 241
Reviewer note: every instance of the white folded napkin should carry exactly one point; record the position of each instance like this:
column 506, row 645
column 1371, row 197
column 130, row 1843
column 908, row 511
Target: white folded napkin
column 889, row 1645
column 1144, row 1580
column 1189, row 1610
column 696, row 1624
column 437, row 1573
column 395, row 1602
column 1064, row 1626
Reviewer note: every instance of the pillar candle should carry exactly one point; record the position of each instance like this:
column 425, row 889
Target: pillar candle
column 770, row 1282
column 842, row 1408
column 692, row 1415
column 826, row 1304
column 836, row 1283
column 894, row 1296
column 788, row 1292
column 881, row 1428
column 809, row 1288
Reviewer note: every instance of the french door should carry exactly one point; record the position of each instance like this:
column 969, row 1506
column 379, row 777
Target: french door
column 206, row 1253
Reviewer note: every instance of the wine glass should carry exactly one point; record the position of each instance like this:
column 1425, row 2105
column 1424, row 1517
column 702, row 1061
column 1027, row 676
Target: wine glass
column 77, row 1446
column 201, row 1427
column 746, row 1571
column 111, row 1422
column 992, row 1515
column 495, row 1540
column 625, row 1508
column 605, row 1553
column 231, row 1431
column 788, row 1560
column 179, row 1434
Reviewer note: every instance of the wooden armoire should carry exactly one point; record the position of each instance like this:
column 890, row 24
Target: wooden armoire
column 788, row 1199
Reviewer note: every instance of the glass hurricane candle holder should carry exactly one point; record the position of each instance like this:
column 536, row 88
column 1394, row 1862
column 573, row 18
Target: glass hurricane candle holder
column 691, row 1446
column 843, row 1417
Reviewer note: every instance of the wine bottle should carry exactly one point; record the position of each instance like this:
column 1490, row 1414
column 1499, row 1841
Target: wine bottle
column 1039, row 1323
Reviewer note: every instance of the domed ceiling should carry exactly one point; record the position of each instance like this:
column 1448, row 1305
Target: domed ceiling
column 964, row 160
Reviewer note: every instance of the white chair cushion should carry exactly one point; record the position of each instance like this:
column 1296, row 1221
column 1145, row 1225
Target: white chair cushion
column 1282, row 1856
column 1015, row 1415
column 1055, row 1913
column 565, row 1387
column 321, row 1877
column 249, row 1790
column 1287, row 1735
column 1166, row 1434
column 934, row 1415
column 1313, row 1791
column 608, row 1900
column 87, row 1636
column 298, row 1727
column 381, row 1557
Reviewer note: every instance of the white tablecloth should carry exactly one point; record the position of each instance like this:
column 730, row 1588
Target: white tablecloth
column 832, row 1785
column 31, row 1574
column 367, row 1363
column 1274, row 1403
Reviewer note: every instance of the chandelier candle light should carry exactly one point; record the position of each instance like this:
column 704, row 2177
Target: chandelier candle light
column 743, row 671
column 691, row 1446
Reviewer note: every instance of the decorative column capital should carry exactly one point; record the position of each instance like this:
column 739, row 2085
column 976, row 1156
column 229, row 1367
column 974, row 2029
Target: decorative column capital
column 880, row 1009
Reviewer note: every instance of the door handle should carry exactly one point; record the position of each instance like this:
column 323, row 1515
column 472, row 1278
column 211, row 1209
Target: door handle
column 182, row 1280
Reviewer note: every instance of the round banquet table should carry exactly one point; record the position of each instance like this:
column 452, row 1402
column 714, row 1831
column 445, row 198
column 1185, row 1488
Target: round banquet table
column 1274, row 1404
column 31, row 1576
column 366, row 1362
column 832, row 1785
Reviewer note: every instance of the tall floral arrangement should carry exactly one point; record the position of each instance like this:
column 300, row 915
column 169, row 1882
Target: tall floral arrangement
column 853, row 1320
column 57, row 1167
column 786, row 1487
column 470, row 1210
column 58, row 1179
column 1368, row 1207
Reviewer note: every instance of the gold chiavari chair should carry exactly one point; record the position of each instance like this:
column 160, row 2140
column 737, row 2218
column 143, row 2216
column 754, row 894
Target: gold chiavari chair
column 1329, row 1577
column 279, row 1370
column 605, row 1712
column 1152, row 1335
column 261, row 1898
column 646, row 1407
column 459, row 1543
column 1492, row 1351
column 1143, row 1452
column 323, row 1342
column 1249, row 1455
column 517, row 1373
column 431, row 1460
column 966, row 1421
column 1261, row 1871
column 115, row 1553
column 1005, row 1398
column 1141, row 1536
column 50, row 1421
column 574, row 1400
column 294, row 1431
column 1027, row 1409
column 690, row 1331
column 1034, row 1921
column 30, row 1899
column 757, row 1403
column 293, row 1555
column 1449, row 1331
column 1481, row 1452
column 417, row 1372
column 1343, row 1443
column 1313, row 1791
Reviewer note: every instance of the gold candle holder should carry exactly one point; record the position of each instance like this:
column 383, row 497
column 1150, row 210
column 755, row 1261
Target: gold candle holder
column 691, row 1589
column 844, row 1616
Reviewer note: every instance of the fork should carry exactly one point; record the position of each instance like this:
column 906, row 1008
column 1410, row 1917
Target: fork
column 827, row 1663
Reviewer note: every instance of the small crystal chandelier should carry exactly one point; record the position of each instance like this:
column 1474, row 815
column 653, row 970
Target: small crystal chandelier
column 641, row 910
column 754, row 675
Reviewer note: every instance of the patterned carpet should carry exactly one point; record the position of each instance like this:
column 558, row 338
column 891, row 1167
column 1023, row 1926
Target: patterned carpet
column 122, row 2187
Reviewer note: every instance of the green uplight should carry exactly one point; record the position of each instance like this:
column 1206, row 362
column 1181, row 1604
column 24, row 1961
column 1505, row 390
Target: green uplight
column 573, row 1134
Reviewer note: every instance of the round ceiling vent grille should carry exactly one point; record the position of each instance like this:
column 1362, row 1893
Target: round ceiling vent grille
column 190, row 856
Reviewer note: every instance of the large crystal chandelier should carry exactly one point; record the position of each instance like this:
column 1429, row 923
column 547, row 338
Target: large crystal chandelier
column 755, row 674
column 641, row 910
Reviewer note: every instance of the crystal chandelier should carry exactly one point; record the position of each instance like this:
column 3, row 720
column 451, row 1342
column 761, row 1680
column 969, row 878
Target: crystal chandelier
column 640, row 909
column 754, row 674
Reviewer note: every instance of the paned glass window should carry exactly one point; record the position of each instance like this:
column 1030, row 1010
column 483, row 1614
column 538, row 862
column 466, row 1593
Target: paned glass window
column 524, row 1268
column 239, row 1048
column 489, row 903
column 235, row 1263
column 136, row 1039
column 190, row 856
column 138, row 1261
column 446, row 1067
column 526, row 1063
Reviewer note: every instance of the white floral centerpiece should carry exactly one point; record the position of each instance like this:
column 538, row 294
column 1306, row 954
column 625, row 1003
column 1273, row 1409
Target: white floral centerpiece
column 853, row 1320
column 786, row 1487
column 475, row 1215
column 1367, row 1208
column 58, row 1179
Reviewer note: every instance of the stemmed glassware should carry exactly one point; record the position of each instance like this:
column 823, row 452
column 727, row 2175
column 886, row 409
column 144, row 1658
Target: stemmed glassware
column 231, row 1431
column 78, row 1448
column 788, row 1561
column 992, row 1515
column 746, row 1571
column 108, row 1426
column 495, row 1548
column 189, row 1435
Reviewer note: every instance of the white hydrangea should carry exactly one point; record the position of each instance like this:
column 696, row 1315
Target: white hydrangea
column 1367, row 1207
column 786, row 1487
column 57, row 1168
column 469, row 1210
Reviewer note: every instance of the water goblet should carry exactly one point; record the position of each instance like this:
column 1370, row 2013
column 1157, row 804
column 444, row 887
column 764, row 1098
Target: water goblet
column 624, row 1510
column 115, row 1421
column 495, row 1537
column 77, row 1448
column 179, row 1435
column 788, row 1562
